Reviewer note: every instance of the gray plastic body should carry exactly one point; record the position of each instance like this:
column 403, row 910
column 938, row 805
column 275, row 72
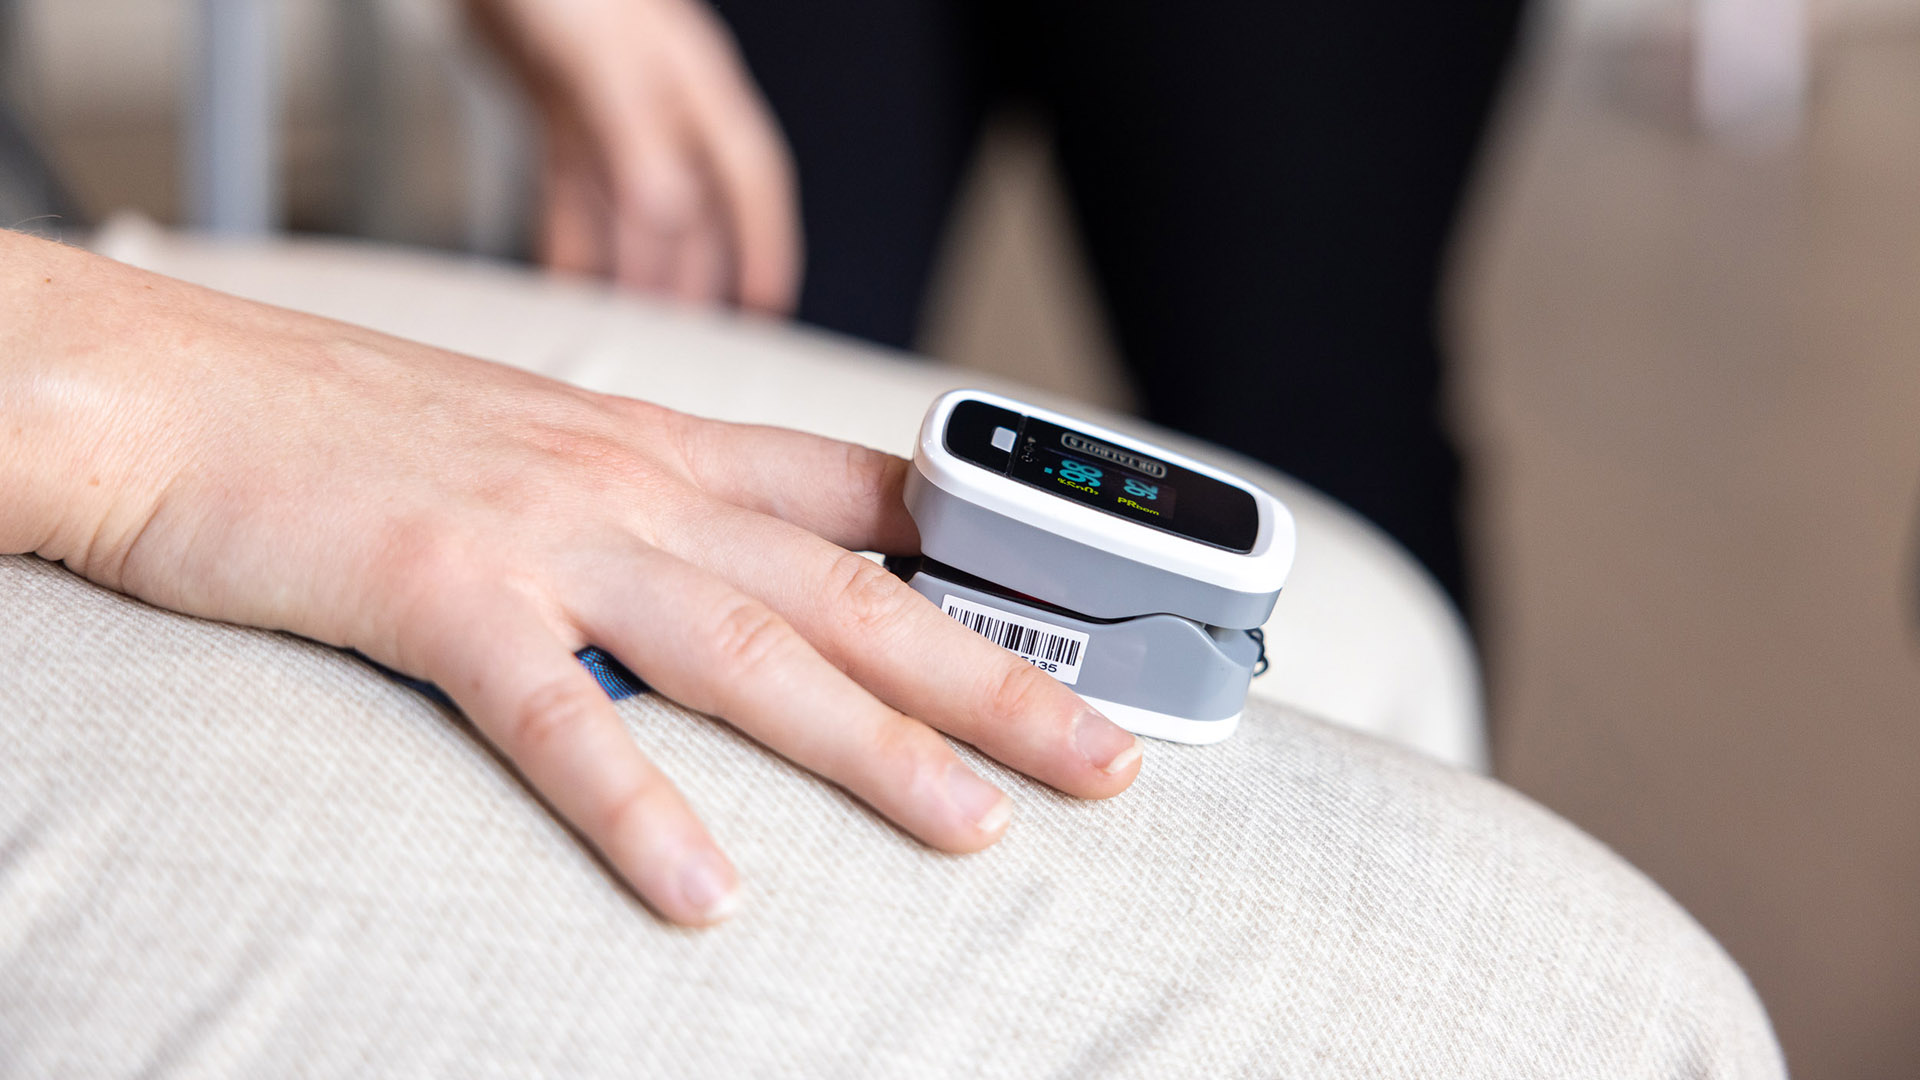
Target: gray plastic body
column 1062, row 571
column 1161, row 664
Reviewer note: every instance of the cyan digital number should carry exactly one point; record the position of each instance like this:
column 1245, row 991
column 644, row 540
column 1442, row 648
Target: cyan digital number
column 1140, row 489
column 1079, row 472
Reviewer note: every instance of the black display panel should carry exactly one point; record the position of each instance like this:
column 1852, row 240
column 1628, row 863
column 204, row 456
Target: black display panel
column 1109, row 478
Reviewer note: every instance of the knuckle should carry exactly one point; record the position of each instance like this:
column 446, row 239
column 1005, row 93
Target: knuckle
column 424, row 542
column 1018, row 691
column 550, row 715
column 572, row 459
column 692, row 444
column 416, row 550
column 667, row 196
column 421, row 564
column 868, row 598
column 570, row 449
column 632, row 813
column 907, row 756
column 749, row 636
column 869, row 474
column 650, row 425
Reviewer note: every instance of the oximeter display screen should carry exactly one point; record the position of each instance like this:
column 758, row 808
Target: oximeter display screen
column 1065, row 462
column 1122, row 482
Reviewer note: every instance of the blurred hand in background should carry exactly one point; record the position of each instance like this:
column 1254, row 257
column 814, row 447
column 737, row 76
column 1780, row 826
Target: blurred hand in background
column 663, row 166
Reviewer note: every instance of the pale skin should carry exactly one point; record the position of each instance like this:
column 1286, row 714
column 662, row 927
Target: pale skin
column 474, row 525
column 663, row 169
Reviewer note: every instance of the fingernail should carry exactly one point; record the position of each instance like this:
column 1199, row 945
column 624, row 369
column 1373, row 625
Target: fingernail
column 704, row 884
column 978, row 801
column 1106, row 745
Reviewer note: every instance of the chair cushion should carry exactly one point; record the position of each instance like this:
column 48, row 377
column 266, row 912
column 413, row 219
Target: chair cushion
column 225, row 851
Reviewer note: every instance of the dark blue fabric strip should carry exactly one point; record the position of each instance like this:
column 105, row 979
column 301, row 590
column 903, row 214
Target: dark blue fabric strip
column 611, row 674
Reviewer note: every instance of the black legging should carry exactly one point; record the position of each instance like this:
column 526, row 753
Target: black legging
column 1264, row 188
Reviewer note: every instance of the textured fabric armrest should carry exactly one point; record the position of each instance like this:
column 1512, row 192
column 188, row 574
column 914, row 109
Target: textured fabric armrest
column 230, row 852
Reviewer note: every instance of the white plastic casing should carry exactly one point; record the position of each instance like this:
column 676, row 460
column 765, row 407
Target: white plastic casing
column 1159, row 725
column 1261, row 570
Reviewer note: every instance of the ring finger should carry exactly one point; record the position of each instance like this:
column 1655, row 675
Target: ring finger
column 705, row 644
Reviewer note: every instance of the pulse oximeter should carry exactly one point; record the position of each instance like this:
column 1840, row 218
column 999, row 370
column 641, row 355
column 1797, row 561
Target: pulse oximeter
column 1135, row 575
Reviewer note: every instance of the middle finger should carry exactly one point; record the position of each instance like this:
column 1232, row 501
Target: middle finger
column 911, row 655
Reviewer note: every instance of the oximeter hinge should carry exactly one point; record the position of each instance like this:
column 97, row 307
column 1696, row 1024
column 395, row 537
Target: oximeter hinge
column 1158, row 674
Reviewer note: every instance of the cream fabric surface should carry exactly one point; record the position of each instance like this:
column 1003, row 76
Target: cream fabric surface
column 226, row 852
column 1361, row 635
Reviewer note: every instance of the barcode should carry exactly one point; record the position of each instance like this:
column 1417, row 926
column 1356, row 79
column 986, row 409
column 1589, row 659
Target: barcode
column 1054, row 649
column 1025, row 640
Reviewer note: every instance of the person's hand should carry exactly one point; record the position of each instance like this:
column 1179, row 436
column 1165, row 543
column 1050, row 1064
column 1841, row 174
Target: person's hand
column 663, row 166
column 474, row 525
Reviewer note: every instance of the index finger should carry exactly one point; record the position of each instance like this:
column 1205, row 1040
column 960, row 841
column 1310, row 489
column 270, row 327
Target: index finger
column 851, row 495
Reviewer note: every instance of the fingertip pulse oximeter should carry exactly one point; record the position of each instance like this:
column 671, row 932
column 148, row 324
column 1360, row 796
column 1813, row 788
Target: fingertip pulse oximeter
column 1135, row 575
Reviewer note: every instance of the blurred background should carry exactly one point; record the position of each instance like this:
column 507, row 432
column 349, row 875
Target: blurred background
column 1685, row 308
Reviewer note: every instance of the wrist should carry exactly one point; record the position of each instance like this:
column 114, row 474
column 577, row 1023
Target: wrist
column 80, row 480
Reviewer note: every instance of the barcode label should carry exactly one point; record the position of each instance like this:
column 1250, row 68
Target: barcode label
column 1055, row 650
